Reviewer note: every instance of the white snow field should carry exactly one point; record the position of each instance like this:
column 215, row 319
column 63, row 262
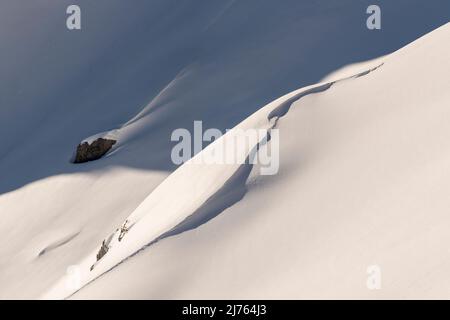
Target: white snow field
column 363, row 137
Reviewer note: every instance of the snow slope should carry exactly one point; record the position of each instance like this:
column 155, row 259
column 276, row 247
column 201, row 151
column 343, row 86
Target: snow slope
column 163, row 65
column 195, row 184
column 344, row 193
column 363, row 182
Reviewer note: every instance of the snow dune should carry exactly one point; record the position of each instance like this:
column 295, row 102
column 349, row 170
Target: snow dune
column 363, row 182
column 193, row 184
column 160, row 66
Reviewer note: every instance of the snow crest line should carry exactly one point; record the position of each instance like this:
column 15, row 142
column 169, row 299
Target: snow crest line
column 159, row 217
column 284, row 107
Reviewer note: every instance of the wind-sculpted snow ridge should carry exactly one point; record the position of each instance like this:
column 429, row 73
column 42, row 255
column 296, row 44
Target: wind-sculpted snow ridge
column 165, row 65
column 363, row 182
column 124, row 133
column 191, row 195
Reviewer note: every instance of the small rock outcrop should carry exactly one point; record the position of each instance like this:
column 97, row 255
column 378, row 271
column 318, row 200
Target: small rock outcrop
column 90, row 152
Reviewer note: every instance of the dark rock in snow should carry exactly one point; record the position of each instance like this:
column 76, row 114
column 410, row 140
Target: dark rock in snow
column 103, row 250
column 90, row 152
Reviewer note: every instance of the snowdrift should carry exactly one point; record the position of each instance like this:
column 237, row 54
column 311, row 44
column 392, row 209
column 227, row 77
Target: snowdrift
column 135, row 73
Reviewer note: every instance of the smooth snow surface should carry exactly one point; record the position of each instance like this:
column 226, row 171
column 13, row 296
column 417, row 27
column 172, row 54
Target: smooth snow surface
column 364, row 166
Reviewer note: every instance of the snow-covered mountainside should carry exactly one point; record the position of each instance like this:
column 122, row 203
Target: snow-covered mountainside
column 363, row 162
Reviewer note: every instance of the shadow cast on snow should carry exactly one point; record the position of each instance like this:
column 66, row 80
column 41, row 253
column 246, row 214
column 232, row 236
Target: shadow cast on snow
column 250, row 55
